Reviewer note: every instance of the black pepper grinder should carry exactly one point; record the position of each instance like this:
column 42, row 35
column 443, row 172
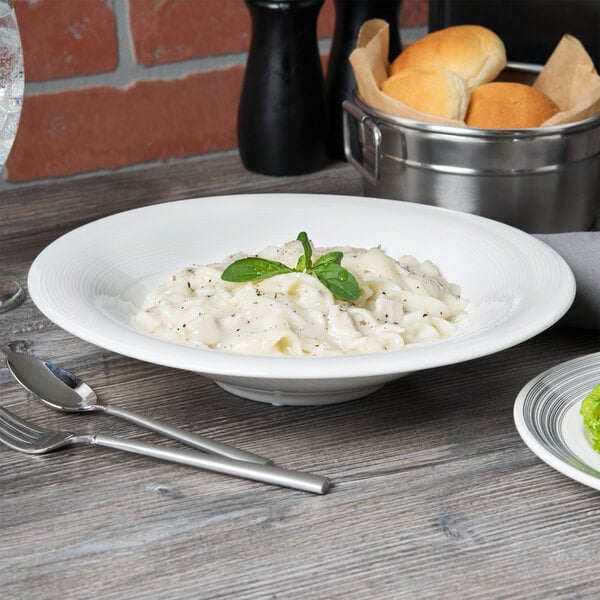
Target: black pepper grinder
column 282, row 116
column 349, row 18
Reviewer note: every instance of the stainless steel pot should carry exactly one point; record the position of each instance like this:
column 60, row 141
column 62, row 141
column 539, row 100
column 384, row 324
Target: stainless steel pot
column 543, row 180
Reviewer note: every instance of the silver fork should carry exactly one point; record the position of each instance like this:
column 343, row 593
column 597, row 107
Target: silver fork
column 25, row 436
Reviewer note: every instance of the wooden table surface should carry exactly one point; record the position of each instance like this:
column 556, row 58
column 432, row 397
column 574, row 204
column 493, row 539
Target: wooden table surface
column 435, row 495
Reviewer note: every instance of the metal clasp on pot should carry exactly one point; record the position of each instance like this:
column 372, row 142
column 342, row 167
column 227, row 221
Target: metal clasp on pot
column 356, row 138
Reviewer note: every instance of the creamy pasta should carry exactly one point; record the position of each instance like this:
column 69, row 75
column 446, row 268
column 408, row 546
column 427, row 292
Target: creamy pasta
column 402, row 302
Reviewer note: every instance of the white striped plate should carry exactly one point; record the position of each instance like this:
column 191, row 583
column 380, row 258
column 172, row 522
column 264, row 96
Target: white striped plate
column 547, row 417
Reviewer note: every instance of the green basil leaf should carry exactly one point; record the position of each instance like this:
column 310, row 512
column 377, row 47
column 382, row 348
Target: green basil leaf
column 253, row 268
column 327, row 269
column 331, row 257
column 338, row 281
column 303, row 238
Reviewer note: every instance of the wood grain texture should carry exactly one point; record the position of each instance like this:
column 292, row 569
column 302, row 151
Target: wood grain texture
column 435, row 495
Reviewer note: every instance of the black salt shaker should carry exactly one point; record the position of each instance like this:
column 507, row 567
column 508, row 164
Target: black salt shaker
column 349, row 18
column 282, row 116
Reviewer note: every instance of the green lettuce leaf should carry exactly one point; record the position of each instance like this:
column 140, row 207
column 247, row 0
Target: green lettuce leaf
column 590, row 411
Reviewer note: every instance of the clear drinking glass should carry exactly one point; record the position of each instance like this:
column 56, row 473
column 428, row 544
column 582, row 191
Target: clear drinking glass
column 12, row 82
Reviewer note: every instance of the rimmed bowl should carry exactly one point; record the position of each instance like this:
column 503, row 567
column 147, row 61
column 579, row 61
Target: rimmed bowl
column 92, row 280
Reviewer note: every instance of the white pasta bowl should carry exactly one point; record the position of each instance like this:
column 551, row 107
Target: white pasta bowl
column 94, row 279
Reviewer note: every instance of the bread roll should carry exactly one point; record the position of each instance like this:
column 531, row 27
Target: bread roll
column 505, row 105
column 431, row 90
column 473, row 52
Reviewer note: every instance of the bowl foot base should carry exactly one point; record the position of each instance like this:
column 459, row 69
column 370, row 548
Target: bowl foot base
column 298, row 398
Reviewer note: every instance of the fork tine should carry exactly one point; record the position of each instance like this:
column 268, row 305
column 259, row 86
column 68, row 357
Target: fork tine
column 18, row 435
column 21, row 424
column 10, row 432
column 22, row 435
column 12, row 441
column 19, row 430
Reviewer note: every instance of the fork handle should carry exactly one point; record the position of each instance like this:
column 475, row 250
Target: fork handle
column 190, row 439
column 219, row 464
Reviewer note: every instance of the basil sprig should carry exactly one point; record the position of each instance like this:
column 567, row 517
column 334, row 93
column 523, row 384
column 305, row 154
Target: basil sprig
column 327, row 269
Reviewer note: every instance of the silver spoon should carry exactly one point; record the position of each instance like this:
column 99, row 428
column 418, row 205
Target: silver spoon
column 66, row 392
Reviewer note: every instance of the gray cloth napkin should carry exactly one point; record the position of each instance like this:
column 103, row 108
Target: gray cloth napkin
column 581, row 251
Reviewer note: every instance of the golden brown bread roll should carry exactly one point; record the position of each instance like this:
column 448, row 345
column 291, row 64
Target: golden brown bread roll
column 506, row 105
column 473, row 52
column 432, row 90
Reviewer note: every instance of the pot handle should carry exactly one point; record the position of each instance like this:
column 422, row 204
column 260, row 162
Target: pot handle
column 350, row 111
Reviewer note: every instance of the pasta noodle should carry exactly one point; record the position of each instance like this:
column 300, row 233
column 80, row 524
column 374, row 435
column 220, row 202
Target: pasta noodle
column 402, row 302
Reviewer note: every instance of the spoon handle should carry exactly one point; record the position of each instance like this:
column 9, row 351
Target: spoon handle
column 190, row 439
column 306, row 482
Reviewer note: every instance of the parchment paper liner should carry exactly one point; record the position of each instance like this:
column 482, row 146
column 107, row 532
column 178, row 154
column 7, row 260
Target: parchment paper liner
column 568, row 77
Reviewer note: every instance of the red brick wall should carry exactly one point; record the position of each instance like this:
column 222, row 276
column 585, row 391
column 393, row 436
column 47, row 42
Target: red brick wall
column 112, row 83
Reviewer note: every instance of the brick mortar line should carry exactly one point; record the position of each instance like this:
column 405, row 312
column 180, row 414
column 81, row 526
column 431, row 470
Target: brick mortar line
column 125, row 45
column 124, row 76
column 128, row 71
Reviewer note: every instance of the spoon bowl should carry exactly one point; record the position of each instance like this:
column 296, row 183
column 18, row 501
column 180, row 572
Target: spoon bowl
column 66, row 392
column 55, row 386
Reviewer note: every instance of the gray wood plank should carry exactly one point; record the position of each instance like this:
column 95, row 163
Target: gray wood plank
column 435, row 494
